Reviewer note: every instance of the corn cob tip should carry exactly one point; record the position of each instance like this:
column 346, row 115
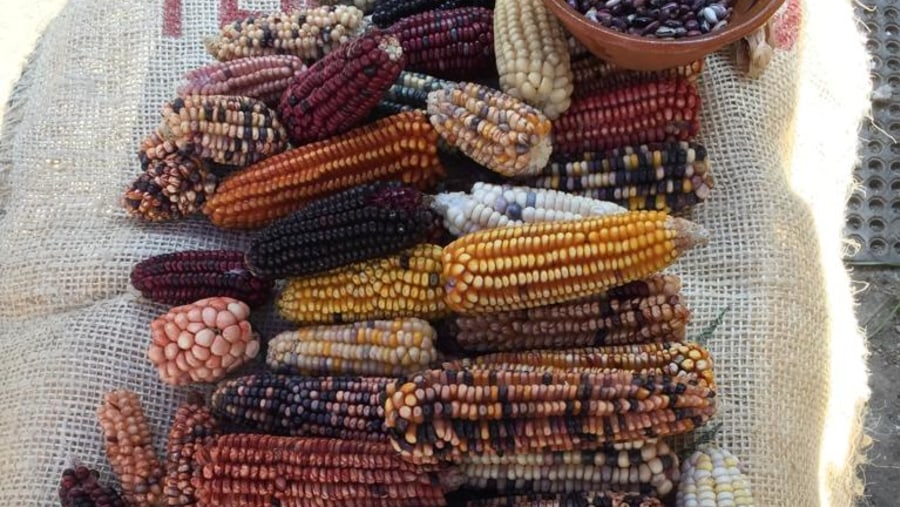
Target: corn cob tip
column 688, row 234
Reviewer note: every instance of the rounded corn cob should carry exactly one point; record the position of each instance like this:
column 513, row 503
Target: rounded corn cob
column 81, row 487
column 591, row 74
column 712, row 477
column 260, row 77
column 388, row 12
column 594, row 499
column 192, row 428
column 172, row 187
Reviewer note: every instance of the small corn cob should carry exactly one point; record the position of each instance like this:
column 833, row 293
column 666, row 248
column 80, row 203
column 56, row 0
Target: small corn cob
column 333, row 407
column 375, row 347
column 532, row 265
column 712, row 477
column 364, row 5
column 576, row 48
column 632, row 114
column 601, row 499
column 169, row 188
column 492, row 128
column 337, row 92
column 180, row 278
column 591, row 74
column 408, row 93
column 81, row 487
column 408, row 284
column 453, row 44
column 192, row 428
column 362, row 223
column 401, row 147
column 260, row 77
column 666, row 177
column 263, row 471
column 307, row 33
column 388, row 12
column 646, row 311
column 489, row 206
column 532, row 55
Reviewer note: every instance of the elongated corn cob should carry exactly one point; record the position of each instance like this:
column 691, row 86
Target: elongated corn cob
column 264, row 470
column 376, row 347
column 531, row 265
column 388, row 12
column 192, row 428
column 488, row 206
column 532, row 55
column 169, row 188
column 492, row 128
column 307, row 33
column 364, row 5
column 712, row 477
column 601, row 499
column 260, row 77
column 402, row 285
column 631, row 114
column 591, row 74
column 454, row 43
column 401, row 147
column 408, row 93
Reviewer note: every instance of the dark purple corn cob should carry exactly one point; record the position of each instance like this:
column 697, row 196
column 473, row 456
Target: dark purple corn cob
column 184, row 277
column 260, row 77
column 388, row 12
column 80, row 487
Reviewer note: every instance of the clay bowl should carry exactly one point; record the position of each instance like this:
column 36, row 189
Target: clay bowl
column 644, row 53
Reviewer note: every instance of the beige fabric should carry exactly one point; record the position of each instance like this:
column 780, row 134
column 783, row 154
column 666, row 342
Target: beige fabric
column 782, row 148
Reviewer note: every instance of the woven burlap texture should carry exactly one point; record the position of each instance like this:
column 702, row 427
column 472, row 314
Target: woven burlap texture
column 72, row 328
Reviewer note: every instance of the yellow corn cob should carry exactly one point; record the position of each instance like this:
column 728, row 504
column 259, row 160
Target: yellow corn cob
column 711, row 477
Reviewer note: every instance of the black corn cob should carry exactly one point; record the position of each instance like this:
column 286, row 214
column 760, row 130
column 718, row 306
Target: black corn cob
column 409, row 92
column 598, row 499
column 388, row 12
column 80, row 487
column 455, row 43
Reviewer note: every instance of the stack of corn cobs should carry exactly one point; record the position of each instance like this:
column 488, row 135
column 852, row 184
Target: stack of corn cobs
column 513, row 339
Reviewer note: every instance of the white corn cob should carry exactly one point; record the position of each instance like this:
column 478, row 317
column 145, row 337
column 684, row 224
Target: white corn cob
column 711, row 477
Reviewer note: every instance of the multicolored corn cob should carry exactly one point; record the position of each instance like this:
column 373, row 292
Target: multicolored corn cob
column 192, row 428
column 712, row 477
column 364, row 5
column 388, row 12
column 375, row 347
column 532, row 265
column 170, row 188
column 591, row 74
column 180, row 278
column 337, row 92
column 453, row 44
column 401, row 147
column 80, row 487
column 601, row 499
column 260, row 77
column 408, row 93
column 492, row 128
column 365, row 222
column 407, row 284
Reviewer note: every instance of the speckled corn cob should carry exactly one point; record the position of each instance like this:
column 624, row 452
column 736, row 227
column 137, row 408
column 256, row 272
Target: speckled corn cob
column 631, row 114
column 488, row 206
column 260, row 77
column 408, row 93
column 532, row 55
column 591, row 74
column 532, row 265
column 337, row 92
column 264, row 470
column 712, row 477
column 668, row 177
column 388, row 12
column 307, row 33
column 401, row 147
column 362, row 223
column 375, row 347
column 192, row 428
column 453, row 44
column 492, row 128
column 364, row 5
column 407, row 284
column 599, row 499
column 169, row 188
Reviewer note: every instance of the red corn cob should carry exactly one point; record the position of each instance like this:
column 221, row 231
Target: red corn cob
column 260, row 77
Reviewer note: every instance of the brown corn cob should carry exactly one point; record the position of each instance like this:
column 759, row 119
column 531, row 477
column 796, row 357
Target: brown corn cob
column 591, row 74
column 260, row 77
column 403, row 285
column 388, row 12
column 631, row 114
column 453, row 43
column 401, row 147
column 532, row 265
column 172, row 187
column 192, row 428
column 593, row 499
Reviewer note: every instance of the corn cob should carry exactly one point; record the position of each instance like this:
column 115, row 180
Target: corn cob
column 712, row 477
column 80, row 487
column 532, row 55
column 129, row 447
column 451, row 414
column 646, row 311
column 364, row 5
column 532, row 265
column 667, row 177
column 376, row 347
column 362, row 223
column 307, row 33
column 408, row 93
column 492, row 128
column 576, row 48
column 260, row 77
column 337, row 92
column 401, row 147
column 631, row 114
column 169, row 188
column 388, row 12
column 591, row 74
column 192, row 428
column 601, row 499
column 453, row 44
column 264, row 471
column 489, row 206
column 333, row 407
column 402, row 285
column 180, row 278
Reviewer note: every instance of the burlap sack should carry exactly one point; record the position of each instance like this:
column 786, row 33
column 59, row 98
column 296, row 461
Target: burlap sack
column 789, row 359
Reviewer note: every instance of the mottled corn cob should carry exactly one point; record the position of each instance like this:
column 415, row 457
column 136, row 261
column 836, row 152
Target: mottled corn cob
column 488, row 206
column 172, row 187
column 631, row 114
column 532, row 55
column 307, row 33
column 388, row 12
column 454, row 43
column 408, row 284
column 375, row 347
column 532, row 265
column 260, row 77
column 601, row 499
column 365, row 222
column 264, row 471
column 80, row 487
column 364, row 5
column 180, row 278
column 591, row 74
column 492, row 128
column 408, row 93
column 401, row 147
column 338, row 407
column 712, row 477
column 192, row 428
column 337, row 92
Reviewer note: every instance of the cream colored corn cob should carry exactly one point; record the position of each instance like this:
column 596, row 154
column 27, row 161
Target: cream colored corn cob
column 711, row 477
